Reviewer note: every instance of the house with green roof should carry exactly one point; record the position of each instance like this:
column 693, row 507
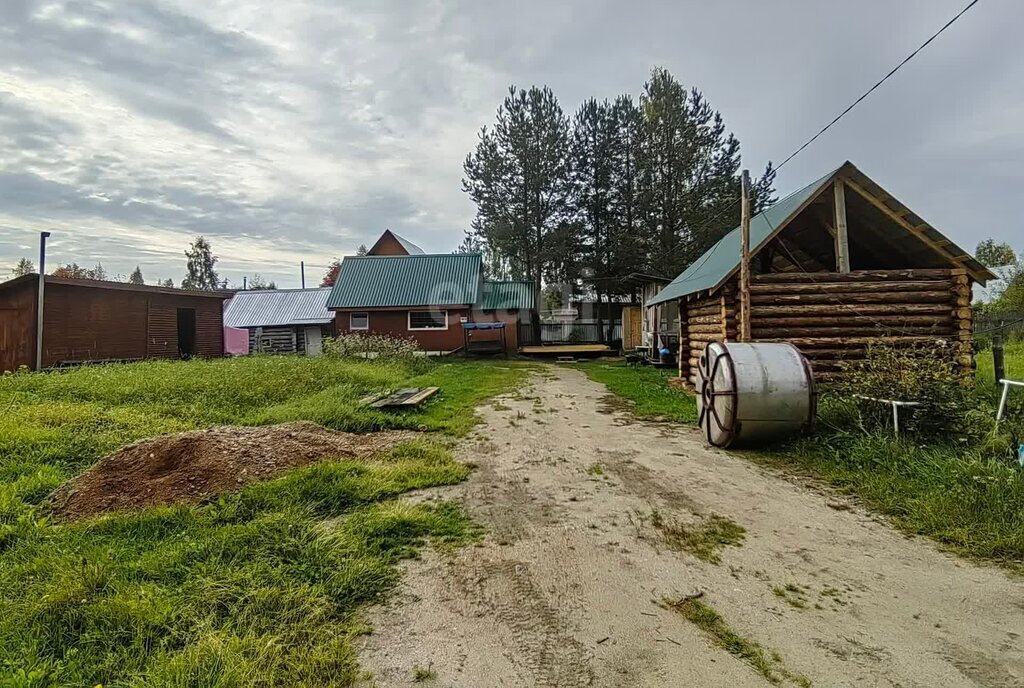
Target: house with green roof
column 836, row 266
column 428, row 297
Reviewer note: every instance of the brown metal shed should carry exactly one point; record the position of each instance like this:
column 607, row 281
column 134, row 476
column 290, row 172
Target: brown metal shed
column 91, row 320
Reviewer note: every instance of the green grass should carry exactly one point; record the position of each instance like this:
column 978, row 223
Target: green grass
column 704, row 539
column 647, row 390
column 423, row 674
column 263, row 587
column 1013, row 361
column 769, row 665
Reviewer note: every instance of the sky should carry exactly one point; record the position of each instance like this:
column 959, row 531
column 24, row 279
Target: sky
column 296, row 130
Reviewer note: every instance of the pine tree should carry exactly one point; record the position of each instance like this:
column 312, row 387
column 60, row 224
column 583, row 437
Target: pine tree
column 362, row 250
column 627, row 198
column 518, row 178
column 98, row 273
column 136, row 276
column 691, row 174
column 23, row 267
column 201, row 265
column 169, row 283
column 593, row 141
column 331, row 276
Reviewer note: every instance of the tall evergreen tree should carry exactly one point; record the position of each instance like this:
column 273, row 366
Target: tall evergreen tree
column 691, row 174
column 201, row 267
column 136, row 276
column 592, row 156
column 23, row 267
column 628, row 201
column 518, row 178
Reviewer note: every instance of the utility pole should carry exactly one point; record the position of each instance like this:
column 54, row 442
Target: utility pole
column 745, row 259
column 245, row 282
column 302, row 269
column 39, row 300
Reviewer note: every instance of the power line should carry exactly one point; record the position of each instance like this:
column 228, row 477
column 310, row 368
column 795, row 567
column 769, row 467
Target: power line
column 828, row 126
column 881, row 81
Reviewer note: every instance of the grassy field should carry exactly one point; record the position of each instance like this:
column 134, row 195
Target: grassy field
column 646, row 389
column 255, row 589
column 965, row 492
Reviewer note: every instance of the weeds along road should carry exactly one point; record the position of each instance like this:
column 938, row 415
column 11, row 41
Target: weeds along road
column 624, row 553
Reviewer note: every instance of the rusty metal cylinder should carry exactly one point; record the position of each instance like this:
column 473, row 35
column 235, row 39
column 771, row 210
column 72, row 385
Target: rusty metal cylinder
column 753, row 394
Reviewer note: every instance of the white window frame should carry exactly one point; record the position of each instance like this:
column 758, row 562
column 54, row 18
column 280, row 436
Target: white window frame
column 363, row 313
column 410, row 328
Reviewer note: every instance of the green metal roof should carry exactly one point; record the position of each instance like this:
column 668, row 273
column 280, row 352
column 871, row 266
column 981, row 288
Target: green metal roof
column 418, row 280
column 508, row 295
column 718, row 262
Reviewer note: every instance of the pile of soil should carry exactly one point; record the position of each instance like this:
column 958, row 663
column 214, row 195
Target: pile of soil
column 192, row 466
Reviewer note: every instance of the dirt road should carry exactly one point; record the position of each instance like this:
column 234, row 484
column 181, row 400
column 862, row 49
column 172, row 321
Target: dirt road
column 567, row 588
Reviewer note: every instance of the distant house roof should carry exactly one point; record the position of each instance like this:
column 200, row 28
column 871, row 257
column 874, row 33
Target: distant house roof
column 417, row 280
column 410, row 248
column 120, row 286
column 508, row 295
column 722, row 260
column 278, row 307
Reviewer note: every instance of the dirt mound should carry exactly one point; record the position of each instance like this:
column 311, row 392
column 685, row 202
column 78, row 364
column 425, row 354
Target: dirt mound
column 191, row 466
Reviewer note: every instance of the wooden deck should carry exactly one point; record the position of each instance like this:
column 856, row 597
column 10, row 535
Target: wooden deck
column 566, row 350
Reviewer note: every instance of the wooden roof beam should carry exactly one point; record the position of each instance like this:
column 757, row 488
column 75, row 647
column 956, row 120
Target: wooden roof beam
column 902, row 222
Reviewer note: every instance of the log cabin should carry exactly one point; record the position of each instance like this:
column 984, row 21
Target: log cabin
column 835, row 267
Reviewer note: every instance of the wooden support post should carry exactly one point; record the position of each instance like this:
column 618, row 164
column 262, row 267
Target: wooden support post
column 842, row 240
column 744, row 324
column 684, row 341
column 997, row 359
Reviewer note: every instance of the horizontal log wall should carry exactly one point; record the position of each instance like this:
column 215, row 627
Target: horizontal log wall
column 702, row 321
column 834, row 317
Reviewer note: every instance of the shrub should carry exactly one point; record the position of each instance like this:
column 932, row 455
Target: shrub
column 373, row 346
column 927, row 374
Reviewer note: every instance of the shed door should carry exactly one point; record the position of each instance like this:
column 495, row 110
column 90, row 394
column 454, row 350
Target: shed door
column 314, row 343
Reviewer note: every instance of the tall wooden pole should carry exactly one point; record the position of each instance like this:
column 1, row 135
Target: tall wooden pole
column 745, row 260
column 842, row 240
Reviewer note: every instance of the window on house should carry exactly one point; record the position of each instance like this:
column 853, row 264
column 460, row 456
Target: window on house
column 358, row 321
column 428, row 320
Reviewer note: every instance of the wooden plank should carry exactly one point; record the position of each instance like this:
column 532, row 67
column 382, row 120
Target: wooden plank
column 565, row 349
column 842, row 240
column 410, row 396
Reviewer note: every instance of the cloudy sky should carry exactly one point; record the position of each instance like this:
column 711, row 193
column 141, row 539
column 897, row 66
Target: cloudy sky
column 288, row 130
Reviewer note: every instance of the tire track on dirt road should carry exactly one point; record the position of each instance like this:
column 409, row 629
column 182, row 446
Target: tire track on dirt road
column 566, row 588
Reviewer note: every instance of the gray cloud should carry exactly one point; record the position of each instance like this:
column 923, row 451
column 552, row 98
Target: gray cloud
column 298, row 129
